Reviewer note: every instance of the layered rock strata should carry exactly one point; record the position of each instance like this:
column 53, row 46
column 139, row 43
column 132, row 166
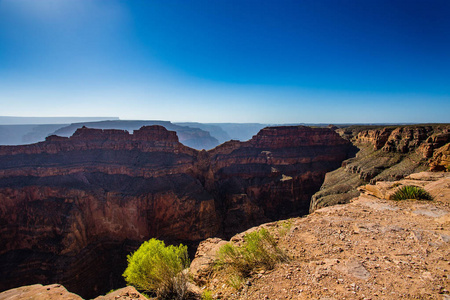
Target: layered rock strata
column 191, row 136
column 72, row 208
column 386, row 153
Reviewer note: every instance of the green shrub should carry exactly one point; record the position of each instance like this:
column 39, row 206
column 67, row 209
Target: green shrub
column 207, row 295
column 411, row 192
column 284, row 226
column 259, row 250
column 235, row 281
column 158, row 269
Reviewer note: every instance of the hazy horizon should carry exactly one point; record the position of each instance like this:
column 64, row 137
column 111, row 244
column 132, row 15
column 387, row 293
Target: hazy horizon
column 229, row 61
column 20, row 120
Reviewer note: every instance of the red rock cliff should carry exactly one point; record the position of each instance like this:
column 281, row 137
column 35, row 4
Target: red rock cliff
column 72, row 208
column 274, row 174
column 403, row 139
column 386, row 153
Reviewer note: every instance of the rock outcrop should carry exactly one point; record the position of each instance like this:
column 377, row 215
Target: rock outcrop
column 386, row 153
column 441, row 159
column 403, row 139
column 39, row 292
column 191, row 136
column 72, row 208
column 59, row 292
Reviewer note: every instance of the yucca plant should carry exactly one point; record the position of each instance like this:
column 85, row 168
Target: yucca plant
column 411, row 192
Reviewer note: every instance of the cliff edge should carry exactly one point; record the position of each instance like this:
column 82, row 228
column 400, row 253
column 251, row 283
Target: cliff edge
column 370, row 248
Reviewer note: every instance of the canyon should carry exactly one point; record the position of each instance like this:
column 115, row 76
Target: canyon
column 371, row 248
column 386, row 153
column 72, row 208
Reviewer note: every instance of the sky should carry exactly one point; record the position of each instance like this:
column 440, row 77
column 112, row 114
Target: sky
column 303, row 61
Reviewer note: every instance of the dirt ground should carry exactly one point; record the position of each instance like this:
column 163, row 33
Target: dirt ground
column 371, row 248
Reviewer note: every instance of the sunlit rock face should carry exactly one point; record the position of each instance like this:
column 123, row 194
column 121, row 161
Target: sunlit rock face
column 274, row 174
column 72, row 208
column 386, row 154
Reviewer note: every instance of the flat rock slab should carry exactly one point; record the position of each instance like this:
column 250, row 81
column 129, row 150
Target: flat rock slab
column 39, row 292
column 430, row 211
column 126, row 293
column 354, row 268
column 59, row 292
column 427, row 176
column 375, row 204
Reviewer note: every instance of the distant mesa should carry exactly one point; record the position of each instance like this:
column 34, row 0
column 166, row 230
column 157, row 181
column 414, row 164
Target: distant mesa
column 192, row 137
column 50, row 120
column 28, row 134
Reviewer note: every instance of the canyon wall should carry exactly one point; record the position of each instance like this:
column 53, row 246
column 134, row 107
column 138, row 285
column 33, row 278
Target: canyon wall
column 72, row 208
column 385, row 154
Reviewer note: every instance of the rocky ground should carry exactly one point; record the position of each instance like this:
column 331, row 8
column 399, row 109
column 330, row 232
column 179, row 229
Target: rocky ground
column 58, row 292
column 371, row 248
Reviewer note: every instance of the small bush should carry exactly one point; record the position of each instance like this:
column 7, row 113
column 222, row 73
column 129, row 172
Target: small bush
column 235, row 281
column 284, row 227
column 207, row 295
column 411, row 192
column 158, row 269
column 258, row 251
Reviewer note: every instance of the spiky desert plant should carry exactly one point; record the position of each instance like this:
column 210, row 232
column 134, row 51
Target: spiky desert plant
column 411, row 192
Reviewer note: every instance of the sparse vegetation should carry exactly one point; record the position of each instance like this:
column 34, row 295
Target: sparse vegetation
column 207, row 295
column 235, row 281
column 284, row 227
column 411, row 192
column 259, row 250
column 158, row 269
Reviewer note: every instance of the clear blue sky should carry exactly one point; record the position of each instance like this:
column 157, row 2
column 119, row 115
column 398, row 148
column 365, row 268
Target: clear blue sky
column 227, row 60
